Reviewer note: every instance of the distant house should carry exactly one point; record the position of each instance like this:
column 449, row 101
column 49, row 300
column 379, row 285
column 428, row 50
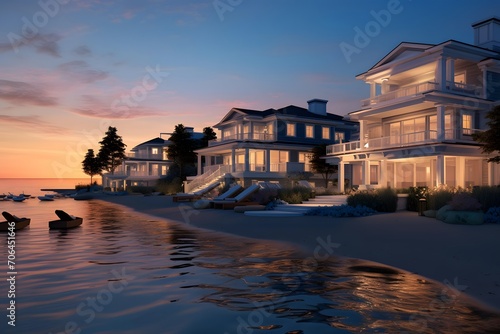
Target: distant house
column 425, row 103
column 270, row 145
column 145, row 164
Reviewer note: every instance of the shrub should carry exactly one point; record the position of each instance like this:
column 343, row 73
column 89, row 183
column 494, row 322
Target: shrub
column 492, row 215
column 381, row 200
column 414, row 196
column 439, row 197
column 295, row 195
column 169, row 186
column 141, row 189
column 464, row 202
column 488, row 196
column 341, row 211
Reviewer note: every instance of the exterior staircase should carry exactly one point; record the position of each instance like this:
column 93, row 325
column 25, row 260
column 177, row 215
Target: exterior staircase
column 210, row 177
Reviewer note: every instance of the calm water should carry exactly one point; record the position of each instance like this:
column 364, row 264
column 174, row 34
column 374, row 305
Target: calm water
column 33, row 186
column 122, row 272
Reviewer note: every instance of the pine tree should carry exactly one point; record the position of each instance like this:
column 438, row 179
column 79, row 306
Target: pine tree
column 181, row 151
column 112, row 151
column 91, row 164
column 320, row 165
column 208, row 135
column 490, row 139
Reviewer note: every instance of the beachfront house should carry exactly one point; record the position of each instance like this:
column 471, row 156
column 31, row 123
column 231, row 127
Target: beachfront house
column 270, row 145
column 146, row 163
column 425, row 103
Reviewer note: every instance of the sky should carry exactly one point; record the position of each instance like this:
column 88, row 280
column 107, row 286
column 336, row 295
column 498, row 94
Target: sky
column 71, row 68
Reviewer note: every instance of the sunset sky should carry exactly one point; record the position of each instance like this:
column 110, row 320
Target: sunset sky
column 71, row 68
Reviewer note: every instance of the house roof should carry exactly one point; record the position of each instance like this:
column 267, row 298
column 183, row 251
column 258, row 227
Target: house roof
column 290, row 110
column 154, row 141
column 414, row 48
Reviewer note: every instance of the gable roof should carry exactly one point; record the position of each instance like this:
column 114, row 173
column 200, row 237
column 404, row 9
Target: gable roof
column 290, row 110
column 154, row 141
column 400, row 50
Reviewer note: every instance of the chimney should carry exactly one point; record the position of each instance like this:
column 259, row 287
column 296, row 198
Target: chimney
column 487, row 33
column 317, row 106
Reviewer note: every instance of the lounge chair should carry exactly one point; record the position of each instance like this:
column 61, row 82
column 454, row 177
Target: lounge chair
column 19, row 223
column 195, row 195
column 229, row 193
column 240, row 199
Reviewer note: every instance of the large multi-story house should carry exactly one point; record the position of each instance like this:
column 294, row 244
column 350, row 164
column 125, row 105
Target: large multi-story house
column 145, row 164
column 271, row 145
column 426, row 101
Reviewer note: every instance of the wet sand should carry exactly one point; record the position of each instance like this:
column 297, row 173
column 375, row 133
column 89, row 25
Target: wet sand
column 460, row 256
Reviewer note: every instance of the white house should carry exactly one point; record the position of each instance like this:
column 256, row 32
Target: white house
column 425, row 103
column 269, row 145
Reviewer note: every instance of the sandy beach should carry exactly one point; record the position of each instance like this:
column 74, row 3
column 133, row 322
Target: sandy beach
column 460, row 256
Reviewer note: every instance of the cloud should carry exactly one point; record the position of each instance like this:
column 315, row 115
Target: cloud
column 93, row 106
column 19, row 92
column 42, row 43
column 33, row 123
column 83, row 50
column 81, row 71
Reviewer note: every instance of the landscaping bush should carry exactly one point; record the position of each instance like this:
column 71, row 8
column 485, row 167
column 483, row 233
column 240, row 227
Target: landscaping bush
column 141, row 189
column 439, row 197
column 464, row 202
column 381, row 200
column 169, row 186
column 295, row 195
column 489, row 197
column 341, row 211
column 492, row 216
column 414, row 196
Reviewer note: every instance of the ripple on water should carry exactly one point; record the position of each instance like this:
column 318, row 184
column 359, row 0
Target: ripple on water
column 124, row 272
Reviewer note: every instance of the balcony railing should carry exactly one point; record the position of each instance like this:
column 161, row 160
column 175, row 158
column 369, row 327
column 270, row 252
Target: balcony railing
column 408, row 139
column 420, row 88
column 262, row 136
column 145, row 156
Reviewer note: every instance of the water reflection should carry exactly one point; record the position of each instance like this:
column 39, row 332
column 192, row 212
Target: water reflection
column 185, row 280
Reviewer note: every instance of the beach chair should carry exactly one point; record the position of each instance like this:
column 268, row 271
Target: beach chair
column 240, row 199
column 229, row 193
column 195, row 195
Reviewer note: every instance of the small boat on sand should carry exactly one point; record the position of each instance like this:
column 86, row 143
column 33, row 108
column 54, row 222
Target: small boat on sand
column 65, row 221
column 46, row 198
column 19, row 223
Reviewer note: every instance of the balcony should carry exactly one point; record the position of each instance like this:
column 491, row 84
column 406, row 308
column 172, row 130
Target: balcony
column 404, row 140
column 414, row 90
column 262, row 137
column 145, row 156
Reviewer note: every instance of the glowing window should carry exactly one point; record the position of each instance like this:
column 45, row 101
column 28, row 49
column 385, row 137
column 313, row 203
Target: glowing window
column 290, row 129
column 326, row 132
column 309, row 131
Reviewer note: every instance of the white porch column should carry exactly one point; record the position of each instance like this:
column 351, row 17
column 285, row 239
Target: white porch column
column 460, row 172
column 365, row 172
column 450, row 70
column 362, row 129
column 382, row 171
column 441, row 108
column 233, row 160
column 491, row 173
column 268, row 160
column 340, row 176
column 441, row 73
column 200, row 170
column 373, row 89
column 440, row 170
column 247, row 159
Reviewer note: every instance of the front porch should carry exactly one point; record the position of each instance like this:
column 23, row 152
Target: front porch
column 430, row 171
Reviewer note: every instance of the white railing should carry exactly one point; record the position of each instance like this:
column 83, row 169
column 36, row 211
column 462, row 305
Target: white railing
column 408, row 139
column 145, row 156
column 206, row 178
column 407, row 91
column 257, row 136
column 420, row 88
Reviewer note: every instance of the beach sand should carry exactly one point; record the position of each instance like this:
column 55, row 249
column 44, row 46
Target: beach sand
column 466, row 257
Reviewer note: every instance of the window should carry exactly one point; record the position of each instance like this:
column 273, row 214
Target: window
column 460, row 78
column 326, row 132
column 467, row 124
column 339, row 137
column 309, row 131
column 290, row 129
column 154, row 150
